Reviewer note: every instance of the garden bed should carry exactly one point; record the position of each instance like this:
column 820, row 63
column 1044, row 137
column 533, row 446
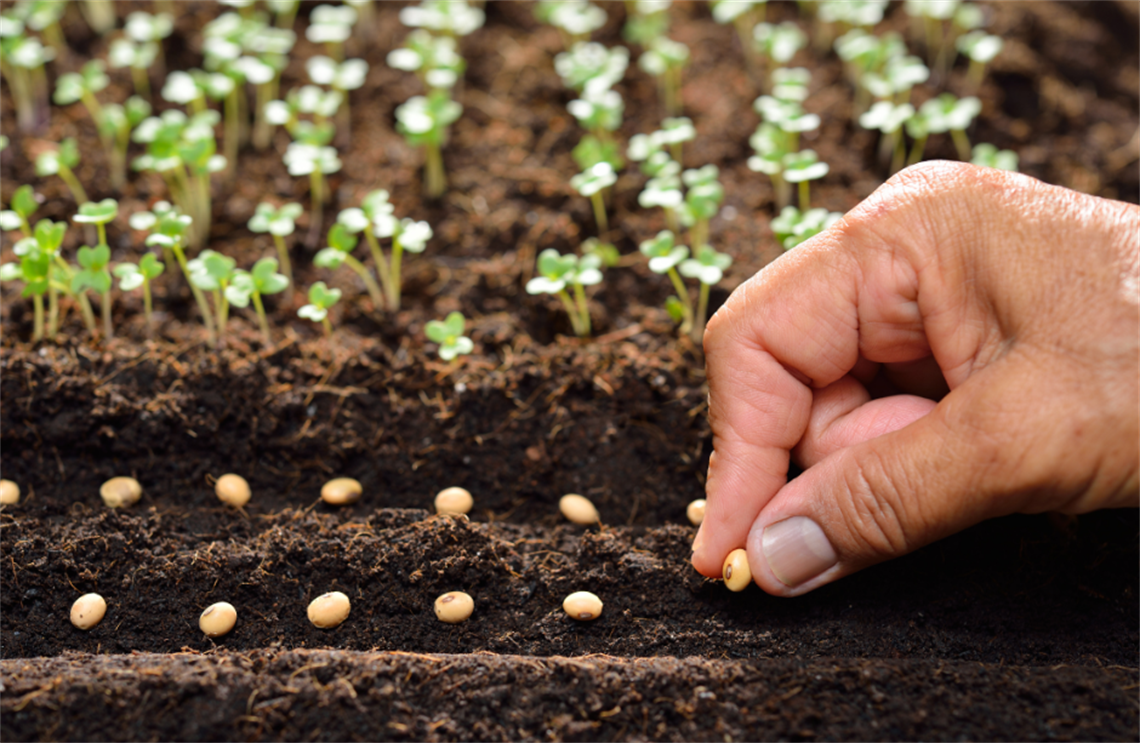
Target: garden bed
column 1020, row 628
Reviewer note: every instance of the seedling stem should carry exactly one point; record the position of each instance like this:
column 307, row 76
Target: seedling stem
column 599, row 211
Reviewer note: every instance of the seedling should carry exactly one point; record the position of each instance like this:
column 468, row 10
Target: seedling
column 454, row 607
column 945, row 113
column 315, row 161
column 272, row 47
column 889, row 119
column 804, row 167
column 591, row 184
column 790, row 84
column 43, row 16
column 897, row 78
column 341, row 77
column 131, row 277
column 703, row 196
column 22, row 60
column 93, row 274
column 284, row 12
column 62, row 162
column 590, row 67
column 279, row 222
column 82, row 86
column 575, row 19
column 846, row 14
column 116, row 128
column 707, row 267
column 664, row 257
column 600, row 114
column 331, row 25
column 98, row 214
column 146, row 29
column 788, row 116
column 557, row 272
column 793, row 227
column 448, row 334
column 182, row 88
column 865, row 53
column 423, row 121
column 771, row 145
column 34, row 269
column 664, row 60
column 434, row 59
column 138, row 58
column 646, row 20
column 981, row 48
column 321, row 298
column 24, row 204
column 375, row 220
column 743, row 15
column 339, row 251
column 262, row 280
column 444, row 17
column 778, row 43
column 991, row 157
column 212, row 272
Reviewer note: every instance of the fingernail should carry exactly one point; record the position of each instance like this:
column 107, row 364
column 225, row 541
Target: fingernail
column 797, row 550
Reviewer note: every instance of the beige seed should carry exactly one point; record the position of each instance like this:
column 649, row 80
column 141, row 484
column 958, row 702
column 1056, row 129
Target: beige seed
column 232, row 490
column 88, row 611
column 121, row 491
column 696, row 511
column 329, row 610
column 341, row 491
column 9, row 493
column 453, row 500
column 454, row 607
column 578, row 509
column 737, row 574
column 218, row 619
column 583, row 606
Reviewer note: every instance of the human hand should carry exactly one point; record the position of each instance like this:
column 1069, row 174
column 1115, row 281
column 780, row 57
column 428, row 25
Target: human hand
column 1014, row 303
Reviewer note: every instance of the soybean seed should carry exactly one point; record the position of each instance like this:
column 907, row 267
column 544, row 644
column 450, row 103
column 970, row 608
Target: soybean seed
column 453, row 500
column 329, row 610
column 218, row 620
column 583, row 606
column 578, row 509
column 341, row 491
column 9, row 493
column 232, row 490
column 454, row 607
column 696, row 511
column 121, row 491
column 737, row 574
column 88, row 611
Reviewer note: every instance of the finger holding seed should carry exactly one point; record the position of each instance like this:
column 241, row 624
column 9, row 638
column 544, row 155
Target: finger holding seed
column 218, row 619
column 583, row 606
column 342, row 491
column 454, row 500
column 88, row 611
column 696, row 511
column 454, row 607
column 119, row 492
column 329, row 610
column 737, row 574
column 233, row 490
column 578, row 509
column 9, row 493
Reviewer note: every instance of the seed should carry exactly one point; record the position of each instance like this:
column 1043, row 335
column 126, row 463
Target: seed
column 88, row 611
column 121, row 491
column 453, row 500
column 454, row 607
column 582, row 605
column 232, row 490
column 218, row 619
column 9, row 493
column 341, row 491
column 696, row 511
column 578, row 509
column 329, row 610
column 737, row 574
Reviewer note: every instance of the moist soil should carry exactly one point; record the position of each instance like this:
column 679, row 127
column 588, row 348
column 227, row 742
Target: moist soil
column 1019, row 628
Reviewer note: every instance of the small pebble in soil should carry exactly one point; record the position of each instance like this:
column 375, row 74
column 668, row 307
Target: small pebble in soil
column 578, row 509
column 453, row 500
column 454, row 607
column 88, row 611
column 232, row 490
column 737, row 574
column 341, row 492
column 583, row 606
column 329, row 610
column 9, row 493
column 696, row 511
column 121, row 491
column 218, row 619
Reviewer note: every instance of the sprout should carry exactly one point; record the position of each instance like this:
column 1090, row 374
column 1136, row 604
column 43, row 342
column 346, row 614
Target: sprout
column 804, row 167
column 771, row 145
column 664, row 60
column 93, row 274
column 212, row 272
column 865, row 53
column 331, row 25
column 116, row 128
column 991, row 157
column 315, row 161
column 272, row 46
column 664, row 257
column 34, row 269
column 889, row 119
column 575, row 19
column 22, row 60
column 591, row 183
column 702, row 201
column 423, row 121
column 707, row 267
column 788, row 116
column 448, row 334
column 24, row 204
column 279, row 222
column 790, row 84
column 793, row 227
column 263, row 279
column 82, row 86
column 434, row 59
column 342, row 241
column 743, row 15
column 132, row 277
column 557, row 272
column 62, row 162
column 285, row 12
column 778, row 42
column 342, row 77
column 853, row 13
column 591, row 68
column 945, row 113
column 599, row 113
column 896, row 79
column 144, row 28
column 981, row 48
column 446, row 17
column 646, row 21
column 139, row 58
column 321, row 298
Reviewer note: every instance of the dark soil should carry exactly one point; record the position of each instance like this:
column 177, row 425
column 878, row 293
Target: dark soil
column 1020, row 628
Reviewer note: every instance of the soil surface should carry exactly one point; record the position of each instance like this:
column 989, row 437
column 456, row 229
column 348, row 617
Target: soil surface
column 1020, row 628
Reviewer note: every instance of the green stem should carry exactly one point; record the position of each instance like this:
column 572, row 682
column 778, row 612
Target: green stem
column 317, row 189
column 702, row 310
column 283, row 257
column 53, row 312
column 974, row 75
column 199, row 297
column 916, row 150
column 105, row 310
column 205, row 215
column 232, row 130
column 686, row 300
column 962, row 143
column 327, row 325
column 147, row 308
column 256, row 297
column 141, row 79
column 572, row 312
column 262, row 129
column 369, row 282
column 378, row 259
column 394, row 274
column 805, row 195
column 73, row 184
column 699, row 234
column 94, row 108
column 38, row 325
column 88, row 314
column 102, row 228
column 781, row 188
column 583, row 308
column 435, row 181
column 899, row 152
column 599, row 211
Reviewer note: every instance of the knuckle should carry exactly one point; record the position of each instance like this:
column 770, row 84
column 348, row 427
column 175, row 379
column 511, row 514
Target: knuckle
column 877, row 509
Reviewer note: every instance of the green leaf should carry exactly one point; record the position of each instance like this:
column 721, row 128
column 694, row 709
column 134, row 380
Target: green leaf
column 49, row 235
column 266, row 278
column 329, row 258
column 241, row 288
column 341, row 239
column 97, row 213
column 24, row 201
column 322, row 296
column 130, row 277
column 10, row 272
column 69, row 152
column 151, row 267
column 94, row 259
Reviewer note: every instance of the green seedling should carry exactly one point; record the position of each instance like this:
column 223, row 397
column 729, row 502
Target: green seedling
column 116, row 126
column 331, row 25
column 99, row 14
column 703, row 196
column 845, row 15
column 608, row 252
column 284, row 12
column 443, row 17
column 434, row 59
column 590, row 67
column 271, row 47
column 138, row 58
column 664, row 190
column 981, row 48
column 321, row 300
column 788, row 116
column 62, row 162
column 448, row 334
column 664, row 60
column 865, row 53
column 24, row 204
column 557, row 272
column 315, row 161
column 646, row 21
column 225, row 39
column 574, row 19
column 927, row 17
column 707, row 267
column 72, row 87
column 131, row 277
column 778, row 43
column 600, row 114
column 342, row 242
column 212, row 272
column 889, row 119
column 182, row 88
column 423, row 121
column 664, row 257
column 93, row 274
column 43, row 16
column 22, row 60
column 341, row 77
column 771, row 145
column 591, row 184
column 743, row 15
column 144, row 28
column 98, row 214
column 946, row 113
column 804, row 167
column 262, row 280
column 791, row 84
column 34, row 269
column 991, row 157
column 279, row 222
column 310, row 100
column 897, row 78
column 365, row 16
column 376, row 221
column 793, row 227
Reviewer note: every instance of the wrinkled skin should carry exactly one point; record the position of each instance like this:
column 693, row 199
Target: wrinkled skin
column 964, row 344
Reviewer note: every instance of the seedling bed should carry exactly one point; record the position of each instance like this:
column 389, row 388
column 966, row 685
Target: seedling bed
column 1020, row 628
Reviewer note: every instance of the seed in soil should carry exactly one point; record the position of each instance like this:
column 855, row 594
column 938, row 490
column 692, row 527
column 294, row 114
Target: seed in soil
column 218, row 619
column 583, row 606
column 578, row 509
column 329, row 610
column 232, row 490
column 88, row 611
column 341, row 492
column 696, row 511
column 737, row 574
column 121, row 491
column 9, row 493
column 454, row 607
column 453, row 500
